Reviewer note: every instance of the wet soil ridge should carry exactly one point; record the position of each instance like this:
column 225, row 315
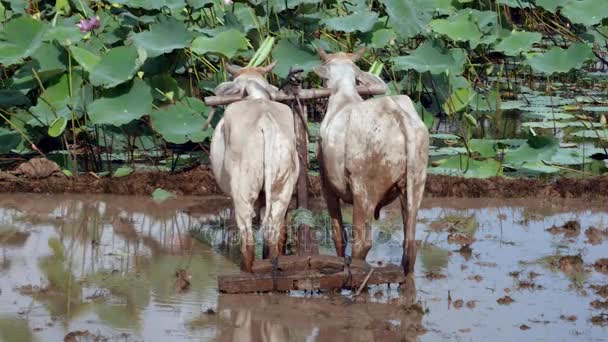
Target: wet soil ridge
column 200, row 182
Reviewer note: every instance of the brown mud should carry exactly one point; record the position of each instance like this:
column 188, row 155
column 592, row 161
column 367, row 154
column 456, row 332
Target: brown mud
column 200, row 182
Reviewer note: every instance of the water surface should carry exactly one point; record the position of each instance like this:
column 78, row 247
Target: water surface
column 106, row 265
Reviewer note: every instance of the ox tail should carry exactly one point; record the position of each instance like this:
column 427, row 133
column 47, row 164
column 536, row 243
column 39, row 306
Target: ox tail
column 410, row 151
column 269, row 133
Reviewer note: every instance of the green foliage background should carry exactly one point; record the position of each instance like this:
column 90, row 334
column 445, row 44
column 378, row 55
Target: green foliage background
column 131, row 89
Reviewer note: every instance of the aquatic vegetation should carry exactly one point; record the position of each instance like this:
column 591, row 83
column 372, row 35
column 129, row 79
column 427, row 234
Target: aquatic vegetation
column 123, row 82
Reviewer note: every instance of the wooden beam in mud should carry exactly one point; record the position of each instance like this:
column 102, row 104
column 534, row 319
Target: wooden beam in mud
column 304, row 94
column 307, row 273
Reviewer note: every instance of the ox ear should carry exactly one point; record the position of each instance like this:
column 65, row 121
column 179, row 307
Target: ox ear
column 269, row 67
column 322, row 71
column 232, row 69
column 229, row 88
column 359, row 54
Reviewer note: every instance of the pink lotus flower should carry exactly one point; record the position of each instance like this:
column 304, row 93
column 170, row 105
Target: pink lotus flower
column 228, row 2
column 86, row 25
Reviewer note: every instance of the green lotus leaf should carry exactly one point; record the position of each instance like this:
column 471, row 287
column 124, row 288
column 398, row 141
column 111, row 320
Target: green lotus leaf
column 163, row 38
column 362, row 22
column 458, row 28
column 181, row 122
column 226, row 43
column 8, row 140
column 409, row 18
column 291, row 54
column 122, row 104
column 19, row 39
column 561, row 60
column 586, row 12
column 431, row 58
column 459, row 165
column 518, row 42
column 537, row 149
column 115, row 66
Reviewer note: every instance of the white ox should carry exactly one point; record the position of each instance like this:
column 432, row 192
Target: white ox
column 253, row 150
column 371, row 152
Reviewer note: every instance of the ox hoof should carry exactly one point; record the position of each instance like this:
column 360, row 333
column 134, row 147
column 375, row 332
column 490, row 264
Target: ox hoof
column 247, row 258
column 408, row 266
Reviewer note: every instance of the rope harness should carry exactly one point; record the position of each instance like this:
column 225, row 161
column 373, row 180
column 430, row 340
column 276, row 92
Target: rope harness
column 275, row 272
column 348, row 279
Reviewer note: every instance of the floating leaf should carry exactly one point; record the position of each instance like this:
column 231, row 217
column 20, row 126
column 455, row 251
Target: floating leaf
column 123, row 171
column 560, row 124
column 362, row 22
column 433, row 59
column 485, row 148
column 161, row 195
column 537, row 149
column 58, row 126
column 163, row 38
column 19, row 39
column 560, row 60
column 518, row 42
column 116, row 66
column 122, row 105
column 597, row 134
column 538, row 167
column 182, row 121
column 226, row 43
column 466, row 167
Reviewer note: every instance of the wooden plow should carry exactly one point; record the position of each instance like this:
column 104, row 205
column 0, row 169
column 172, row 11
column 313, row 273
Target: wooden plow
column 306, row 270
column 294, row 272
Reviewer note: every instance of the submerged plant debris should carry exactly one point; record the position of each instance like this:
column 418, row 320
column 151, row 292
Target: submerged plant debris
column 569, row 229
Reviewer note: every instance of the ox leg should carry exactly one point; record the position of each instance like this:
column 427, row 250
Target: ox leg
column 335, row 213
column 409, row 212
column 244, row 216
column 362, row 239
column 283, row 238
column 275, row 233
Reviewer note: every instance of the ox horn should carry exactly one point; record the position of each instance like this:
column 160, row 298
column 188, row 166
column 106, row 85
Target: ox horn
column 357, row 55
column 324, row 56
column 232, row 69
column 269, row 67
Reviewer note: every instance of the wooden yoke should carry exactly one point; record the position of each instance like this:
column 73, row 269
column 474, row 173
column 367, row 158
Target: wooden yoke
column 303, row 94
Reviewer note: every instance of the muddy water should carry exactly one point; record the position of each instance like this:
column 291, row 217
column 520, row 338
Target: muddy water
column 105, row 267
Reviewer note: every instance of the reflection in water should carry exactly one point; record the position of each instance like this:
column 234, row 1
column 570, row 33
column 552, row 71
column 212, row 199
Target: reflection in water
column 106, row 265
column 326, row 318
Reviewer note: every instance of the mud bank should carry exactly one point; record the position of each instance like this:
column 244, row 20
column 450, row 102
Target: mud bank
column 200, row 182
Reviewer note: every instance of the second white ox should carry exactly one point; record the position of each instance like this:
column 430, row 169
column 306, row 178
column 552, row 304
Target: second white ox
column 253, row 150
column 371, row 153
